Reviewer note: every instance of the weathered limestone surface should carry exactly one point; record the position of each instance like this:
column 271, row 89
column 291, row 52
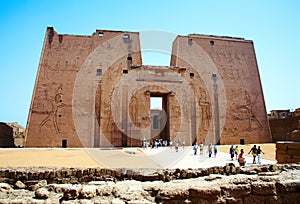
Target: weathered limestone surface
column 253, row 184
column 285, row 129
column 287, row 152
column 93, row 91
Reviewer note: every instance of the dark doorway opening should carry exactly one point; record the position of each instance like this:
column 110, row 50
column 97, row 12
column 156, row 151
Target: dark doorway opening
column 242, row 141
column 64, row 143
column 124, row 139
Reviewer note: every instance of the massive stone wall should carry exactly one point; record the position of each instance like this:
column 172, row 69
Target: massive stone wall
column 94, row 91
column 71, row 67
column 229, row 69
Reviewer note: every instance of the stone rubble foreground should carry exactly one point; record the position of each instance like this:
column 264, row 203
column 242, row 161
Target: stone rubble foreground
column 228, row 184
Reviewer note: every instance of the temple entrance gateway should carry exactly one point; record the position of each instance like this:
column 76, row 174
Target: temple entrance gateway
column 133, row 120
column 210, row 92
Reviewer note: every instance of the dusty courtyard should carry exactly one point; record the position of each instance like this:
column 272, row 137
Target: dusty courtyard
column 127, row 157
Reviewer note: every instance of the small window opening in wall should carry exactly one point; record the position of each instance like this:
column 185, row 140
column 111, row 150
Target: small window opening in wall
column 190, row 41
column 125, row 71
column 99, row 72
column 242, row 141
column 212, row 42
column 64, row 143
column 129, row 58
column 59, row 115
column 126, row 36
column 100, row 34
column 192, row 75
column 60, row 100
column 214, row 75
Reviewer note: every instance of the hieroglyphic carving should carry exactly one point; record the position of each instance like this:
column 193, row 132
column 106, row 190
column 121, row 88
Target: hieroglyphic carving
column 236, row 74
column 243, row 111
column 55, row 109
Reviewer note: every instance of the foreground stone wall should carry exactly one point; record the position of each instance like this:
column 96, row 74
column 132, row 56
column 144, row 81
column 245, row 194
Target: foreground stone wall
column 287, row 152
column 281, row 129
column 228, row 184
column 6, row 135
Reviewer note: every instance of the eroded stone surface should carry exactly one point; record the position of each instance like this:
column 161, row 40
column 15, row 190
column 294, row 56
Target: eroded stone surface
column 20, row 185
column 42, row 193
column 282, row 186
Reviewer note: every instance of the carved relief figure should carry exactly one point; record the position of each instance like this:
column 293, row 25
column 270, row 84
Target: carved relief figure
column 204, row 109
column 244, row 112
column 56, row 107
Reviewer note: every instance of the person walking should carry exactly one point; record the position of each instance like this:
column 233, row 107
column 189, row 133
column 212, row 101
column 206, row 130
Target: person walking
column 231, row 152
column 170, row 143
column 215, row 150
column 210, row 150
column 253, row 150
column 236, row 151
column 176, row 146
column 195, row 146
column 201, row 148
column 241, row 159
column 259, row 151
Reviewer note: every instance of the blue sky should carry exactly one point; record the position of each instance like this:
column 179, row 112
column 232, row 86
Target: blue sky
column 272, row 25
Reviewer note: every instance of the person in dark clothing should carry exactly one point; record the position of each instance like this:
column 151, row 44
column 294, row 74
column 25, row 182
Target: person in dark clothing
column 210, row 150
column 231, row 152
column 195, row 146
column 253, row 150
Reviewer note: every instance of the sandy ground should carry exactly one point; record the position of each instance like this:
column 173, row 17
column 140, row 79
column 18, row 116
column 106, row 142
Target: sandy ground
column 117, row 158
column 75, row 157
column 269, row 149
column 46, row 157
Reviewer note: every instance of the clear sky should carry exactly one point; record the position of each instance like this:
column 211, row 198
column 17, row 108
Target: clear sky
column 274, row 27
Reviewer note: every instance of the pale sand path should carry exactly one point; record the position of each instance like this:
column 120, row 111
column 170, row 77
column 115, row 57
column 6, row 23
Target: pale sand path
column 185, row 158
